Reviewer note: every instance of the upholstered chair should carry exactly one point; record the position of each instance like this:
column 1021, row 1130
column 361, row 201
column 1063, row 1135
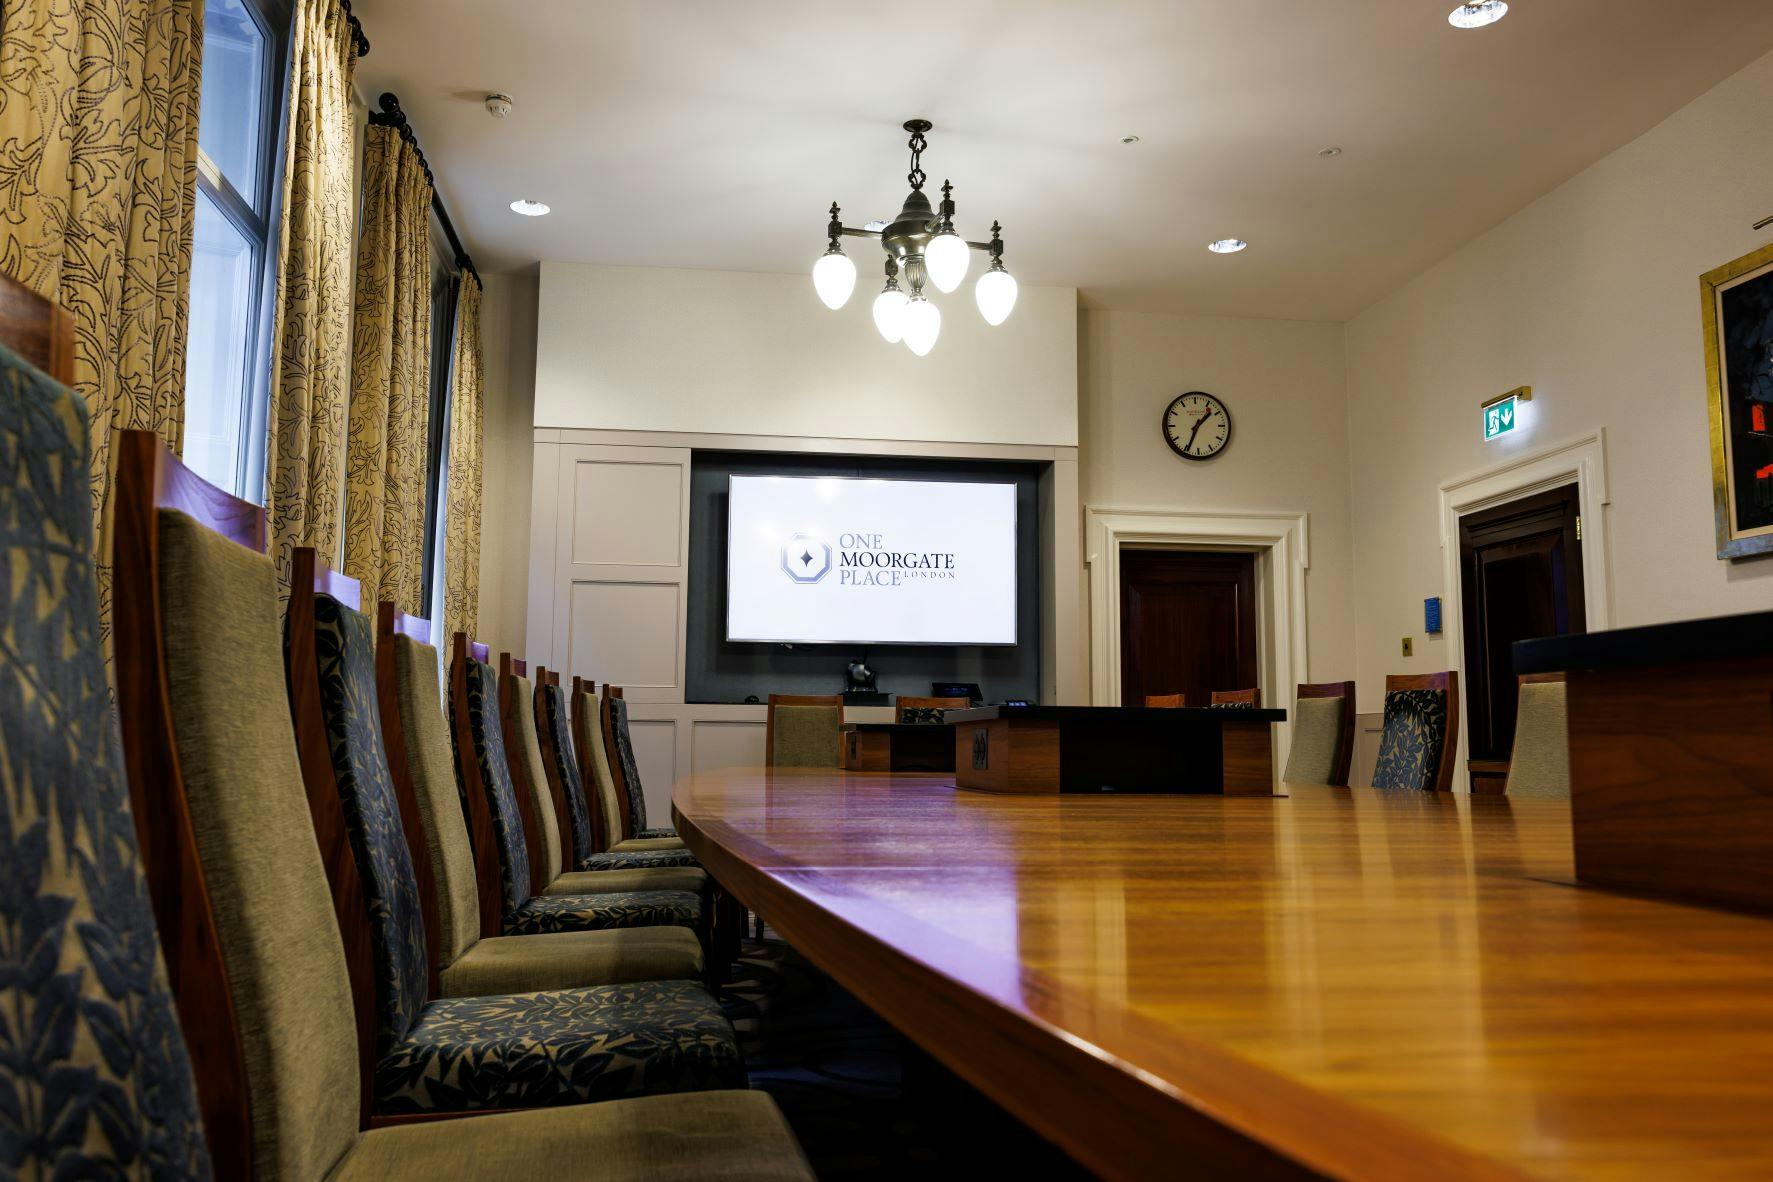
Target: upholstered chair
column 1322, row 745
column 1165, row 701
column 96, row 1082
column 1244, row 699
column 1416, row 748
column 1540, row 762
column 804, row 730
column 485, row 771
column 627, row 774
column 611, row 798
column 592, row 867
column 910, row 709
column 254, row 950
column 411, row 706
column 493, row 1051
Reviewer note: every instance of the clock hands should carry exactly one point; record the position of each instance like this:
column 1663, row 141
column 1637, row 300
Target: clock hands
column 1196, row 431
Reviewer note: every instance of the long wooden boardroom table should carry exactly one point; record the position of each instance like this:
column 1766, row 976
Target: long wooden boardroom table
column 1331, row 983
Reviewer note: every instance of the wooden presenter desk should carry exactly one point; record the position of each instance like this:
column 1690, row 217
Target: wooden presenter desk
column 1044, row 749
column 898, row 747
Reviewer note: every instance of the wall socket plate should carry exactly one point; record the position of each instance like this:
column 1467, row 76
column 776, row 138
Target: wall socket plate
column 1409, row 644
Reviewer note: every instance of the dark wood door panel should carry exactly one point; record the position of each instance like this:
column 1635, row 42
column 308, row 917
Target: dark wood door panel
column 1188, row 623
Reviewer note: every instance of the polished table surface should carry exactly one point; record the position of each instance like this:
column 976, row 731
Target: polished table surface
column 1335, row 982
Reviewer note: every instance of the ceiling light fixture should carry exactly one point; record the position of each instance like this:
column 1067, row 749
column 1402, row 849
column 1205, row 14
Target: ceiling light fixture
column 1227, row 245
column 1129, row 139
column 529, row 209
column 1332, row 151
column 1478, row 14
column 922, row 243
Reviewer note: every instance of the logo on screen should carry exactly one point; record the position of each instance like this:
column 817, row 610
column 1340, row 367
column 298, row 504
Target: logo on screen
column 806, row 559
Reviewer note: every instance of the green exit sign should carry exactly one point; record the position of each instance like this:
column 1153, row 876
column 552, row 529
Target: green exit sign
column 1501, row 416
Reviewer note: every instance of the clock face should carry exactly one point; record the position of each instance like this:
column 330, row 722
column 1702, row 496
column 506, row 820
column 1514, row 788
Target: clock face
column 1197, row 426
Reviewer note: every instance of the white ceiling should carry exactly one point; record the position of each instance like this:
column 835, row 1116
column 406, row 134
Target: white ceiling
column 713, row 134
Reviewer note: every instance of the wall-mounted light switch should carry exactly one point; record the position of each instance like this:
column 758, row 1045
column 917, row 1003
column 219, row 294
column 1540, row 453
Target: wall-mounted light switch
column 1408, row 646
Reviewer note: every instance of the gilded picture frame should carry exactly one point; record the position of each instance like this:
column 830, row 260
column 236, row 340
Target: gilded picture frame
column 1736, row 303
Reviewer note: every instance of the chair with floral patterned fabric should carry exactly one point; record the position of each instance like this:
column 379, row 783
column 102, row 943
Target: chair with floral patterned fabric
column 96, row 1082
column 617, row 776
column 479, row 1051
column 485, row 770
column 232, row 860
column 1416, row 748
column 627, row 776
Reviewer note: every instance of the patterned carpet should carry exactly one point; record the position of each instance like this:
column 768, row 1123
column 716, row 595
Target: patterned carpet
column 865, row 1102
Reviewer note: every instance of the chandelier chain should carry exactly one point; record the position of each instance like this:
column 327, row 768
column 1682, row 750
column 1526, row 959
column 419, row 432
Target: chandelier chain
column 916, row 175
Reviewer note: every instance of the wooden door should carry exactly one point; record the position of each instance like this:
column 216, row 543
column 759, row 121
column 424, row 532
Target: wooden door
column 1521, row 572
column 1187, row 624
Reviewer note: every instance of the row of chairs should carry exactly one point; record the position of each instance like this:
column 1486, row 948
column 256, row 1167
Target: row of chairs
column 366, row 914
column 1245, row 699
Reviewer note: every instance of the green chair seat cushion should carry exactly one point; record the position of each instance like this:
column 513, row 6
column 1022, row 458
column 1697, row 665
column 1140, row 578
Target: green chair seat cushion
column 643, row 878
column 573, row 960
column 574, row 1046
column 807, row 736
column 1414, row 736
column 720, row 1136
column 636, row 844
column 642, row 858
column 590, row 913
column 1317, row 727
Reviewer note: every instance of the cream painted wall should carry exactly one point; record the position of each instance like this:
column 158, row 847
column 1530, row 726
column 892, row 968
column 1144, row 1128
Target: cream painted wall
column 508, row 343
column 1591, row 296
column 653, row 349
column 1283, row 384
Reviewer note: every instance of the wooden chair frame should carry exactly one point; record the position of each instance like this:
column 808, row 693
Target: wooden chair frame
column 474, row 790
column 1344, row 754
column 588, row 730
column 769, row 731
column 148, row 479
column 309, row 579
column 904, row 702
column 1165, row 701
column 1448, row 681
column 510, row 669
column 1244, row 697
column 392, row 622
column 552, row 753
column 39, row 330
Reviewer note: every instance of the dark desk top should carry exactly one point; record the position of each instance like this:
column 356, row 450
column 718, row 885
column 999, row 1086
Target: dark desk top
column 1719, row 638
column 871, row 727
column 1117, row 714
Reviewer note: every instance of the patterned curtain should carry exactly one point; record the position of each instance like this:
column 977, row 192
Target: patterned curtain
column 390, row 375
column 467, row 402
column 311, row 384
column 98, row 190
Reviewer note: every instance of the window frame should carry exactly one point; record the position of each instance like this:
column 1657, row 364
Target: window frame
column 273, row 18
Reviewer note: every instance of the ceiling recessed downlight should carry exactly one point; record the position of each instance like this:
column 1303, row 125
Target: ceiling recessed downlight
column 529, row 209
column 1129, row 139
column 1477, row 14
column 1227, row 245
column 1330, row 151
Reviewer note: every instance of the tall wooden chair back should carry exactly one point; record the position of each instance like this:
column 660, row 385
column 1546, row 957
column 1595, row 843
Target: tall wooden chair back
column 804, row 730
column 1237, row 699
column 565, row 776
column 907, row 708
column 291, row 937
column 99, row 1081
column 542, row 838
column 1322, row 746
column 465, row 656
column 606, row 717
column 38, row 330
column 1165, row 701
column 1421, row 735
column 587, row 730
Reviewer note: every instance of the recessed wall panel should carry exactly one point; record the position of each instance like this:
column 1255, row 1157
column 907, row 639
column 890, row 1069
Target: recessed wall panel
column 655, row 753
column 625, row 633
column 627, row 514
column 725, row 744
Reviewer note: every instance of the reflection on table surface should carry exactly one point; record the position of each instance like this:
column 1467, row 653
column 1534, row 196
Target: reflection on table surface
column 1425, row 958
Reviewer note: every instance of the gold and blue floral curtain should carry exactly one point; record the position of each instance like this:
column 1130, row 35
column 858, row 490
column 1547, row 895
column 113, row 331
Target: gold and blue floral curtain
column 385, row 448
column 467, row 413
column 98, row 189
column 311, row 381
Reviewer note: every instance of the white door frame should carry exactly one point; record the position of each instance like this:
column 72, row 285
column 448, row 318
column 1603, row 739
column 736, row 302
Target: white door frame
column 1582, row 461
column 1284, row 537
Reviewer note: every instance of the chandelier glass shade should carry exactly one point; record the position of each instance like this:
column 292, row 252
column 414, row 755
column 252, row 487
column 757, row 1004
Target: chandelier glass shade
column 923, row 245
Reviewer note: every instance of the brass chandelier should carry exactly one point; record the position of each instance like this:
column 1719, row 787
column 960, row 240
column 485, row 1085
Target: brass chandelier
column 922, row 244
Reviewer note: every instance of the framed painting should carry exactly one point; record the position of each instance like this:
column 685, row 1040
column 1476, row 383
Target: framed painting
column 1737, row 303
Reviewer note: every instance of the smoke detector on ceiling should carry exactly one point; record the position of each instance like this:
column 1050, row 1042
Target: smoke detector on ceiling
column 498, row 105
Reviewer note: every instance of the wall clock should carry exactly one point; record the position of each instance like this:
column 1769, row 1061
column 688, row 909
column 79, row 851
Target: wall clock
column 1196, row 425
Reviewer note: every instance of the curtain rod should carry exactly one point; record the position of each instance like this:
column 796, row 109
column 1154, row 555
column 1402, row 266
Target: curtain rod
column 391, row 115
column 356, row 29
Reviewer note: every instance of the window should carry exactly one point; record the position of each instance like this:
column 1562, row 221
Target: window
column 227, row 365
column 445, row 286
